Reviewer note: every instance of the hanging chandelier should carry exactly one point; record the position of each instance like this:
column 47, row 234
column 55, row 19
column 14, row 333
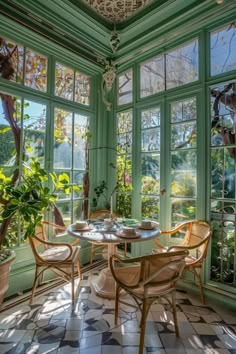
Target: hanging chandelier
column 117, row 10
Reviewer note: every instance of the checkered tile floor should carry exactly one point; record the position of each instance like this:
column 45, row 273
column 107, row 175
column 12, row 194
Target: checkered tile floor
column 52, row 325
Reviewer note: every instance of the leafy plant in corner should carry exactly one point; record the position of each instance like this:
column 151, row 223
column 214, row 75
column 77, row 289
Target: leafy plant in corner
column 30, row 197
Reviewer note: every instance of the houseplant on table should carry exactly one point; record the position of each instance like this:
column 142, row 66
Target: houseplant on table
column 25, row 202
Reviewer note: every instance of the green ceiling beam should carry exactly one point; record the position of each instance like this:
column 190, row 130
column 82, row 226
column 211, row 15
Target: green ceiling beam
column 56, row 20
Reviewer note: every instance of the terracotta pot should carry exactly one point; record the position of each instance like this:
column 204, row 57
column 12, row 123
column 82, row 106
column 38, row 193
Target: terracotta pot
column 5, row 267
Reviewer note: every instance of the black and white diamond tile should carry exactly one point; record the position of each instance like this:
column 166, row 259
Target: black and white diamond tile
column 52, row 325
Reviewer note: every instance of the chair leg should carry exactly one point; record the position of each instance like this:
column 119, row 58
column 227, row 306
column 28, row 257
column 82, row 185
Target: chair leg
column 145, row 309
column 91, row 253
column 72, row 285
column 175, row 314
column 198, row 275
column 42, row 278
column 79, row 270
column 35, row 284
column 117, row 303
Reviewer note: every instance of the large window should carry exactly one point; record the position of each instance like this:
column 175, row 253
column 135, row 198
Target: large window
column 124, row 163
column 70, row 144
column 72, row 85
column 223, row 183
column 182, row 65
column 25, row 66
column 183, row 159
column 22, row 129
column 152, row 76
column 223, row 49
column 150, row 162
column 175, row 68
column 125, row 87
column 33, row 128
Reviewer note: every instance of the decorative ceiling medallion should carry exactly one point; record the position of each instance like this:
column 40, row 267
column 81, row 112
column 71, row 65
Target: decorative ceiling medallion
column 117, row 10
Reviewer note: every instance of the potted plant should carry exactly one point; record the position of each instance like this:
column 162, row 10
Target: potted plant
column 24, row 202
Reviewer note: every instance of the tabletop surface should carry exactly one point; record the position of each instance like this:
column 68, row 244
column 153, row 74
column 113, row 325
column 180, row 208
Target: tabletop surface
column 99, row 234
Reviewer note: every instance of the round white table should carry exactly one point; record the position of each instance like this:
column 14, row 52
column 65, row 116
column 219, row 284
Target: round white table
column 104, row 284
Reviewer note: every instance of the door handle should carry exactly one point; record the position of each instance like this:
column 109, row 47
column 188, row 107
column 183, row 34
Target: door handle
column 163, row 191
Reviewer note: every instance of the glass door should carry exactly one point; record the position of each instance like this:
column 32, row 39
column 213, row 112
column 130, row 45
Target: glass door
column 168, row 151
column 183, row 159
column 150, row 163
column 222, row 192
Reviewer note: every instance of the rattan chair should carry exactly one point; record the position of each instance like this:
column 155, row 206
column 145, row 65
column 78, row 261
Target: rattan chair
column 98, row 247
column 61, row 258
column 147, row 279
column 195, row 238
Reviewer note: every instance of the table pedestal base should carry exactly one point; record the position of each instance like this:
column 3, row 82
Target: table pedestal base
column 104, row 285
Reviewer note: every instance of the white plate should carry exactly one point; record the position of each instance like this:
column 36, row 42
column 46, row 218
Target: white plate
column 87, row 228
column 120, row 233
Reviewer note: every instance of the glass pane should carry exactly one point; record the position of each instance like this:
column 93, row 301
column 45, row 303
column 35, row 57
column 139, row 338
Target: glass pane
column 150, row 161
column 64, row 82
column 151, row 118
column 124, row 163
column 36, row 70
column 183, row 184
column 150, row 207
column 123, row 205
column 223, row 50
column 78, row 177
column 14, row 72
column 150, row 134
column 77, row 209
column 82, row 88
column 124, row 173
column 80, row 141
column 65, row 209
column 150, row 173
column 183, row 159
column 150, row 139
column 223, row 116
column 62, row 139
column 34, row 124
column 223, row 174
column 62, row 194
column 184, row 110
column 223, row 267
column 124, row 132
column 182, row 209
column 183, row 173
column 152, row 76
column 125, row 87
column 217, row 169
column 7, row 146
column 183, row 136
column 182, row 65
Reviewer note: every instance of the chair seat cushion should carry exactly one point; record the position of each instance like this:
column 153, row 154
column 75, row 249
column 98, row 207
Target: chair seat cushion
column 58, row 253
column 130, row 276
column 190, row 259
column 154, row 291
